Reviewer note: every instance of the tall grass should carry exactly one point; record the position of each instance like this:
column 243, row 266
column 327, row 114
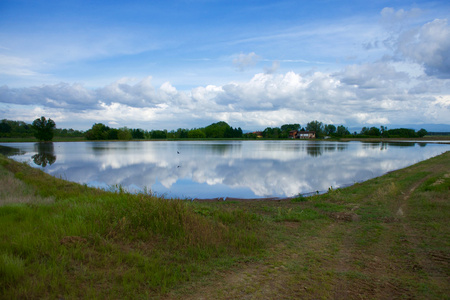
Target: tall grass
column 88, row 242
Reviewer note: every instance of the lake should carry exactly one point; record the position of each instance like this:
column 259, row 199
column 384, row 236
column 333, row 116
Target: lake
column 224, row 169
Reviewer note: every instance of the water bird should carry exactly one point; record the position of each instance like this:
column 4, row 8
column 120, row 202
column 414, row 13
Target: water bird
column 178, row 152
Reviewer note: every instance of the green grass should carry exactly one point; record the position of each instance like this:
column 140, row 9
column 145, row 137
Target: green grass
column 64, row 240
column 88, row 242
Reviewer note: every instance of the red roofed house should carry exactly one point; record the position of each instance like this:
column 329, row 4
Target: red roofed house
column 295, row 134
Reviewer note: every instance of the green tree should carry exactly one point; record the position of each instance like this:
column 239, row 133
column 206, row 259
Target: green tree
column 112, row 134
column 373, row 131
column 98, row 131
column 137, row 133
column 272, row 133
column 182, row 133
column 329, row 129
column 364, row 131
column 5, row 127
column 402, row 132
column 422, row 132
column 158, row 134
column 124, row 134
column 288, row 127
column 317, row 127
column 342, row 131
column 217, row 130
column 43, row 129
column 383, row 130
column 196, row 134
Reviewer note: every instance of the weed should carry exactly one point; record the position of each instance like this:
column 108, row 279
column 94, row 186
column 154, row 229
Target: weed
column 12, row 268
column 299, row 198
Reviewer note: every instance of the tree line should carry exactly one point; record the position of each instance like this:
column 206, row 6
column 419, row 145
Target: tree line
column 20, row 129
column 100, row 131
column 44, row 130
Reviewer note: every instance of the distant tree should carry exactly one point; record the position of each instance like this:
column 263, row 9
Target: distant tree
column 196, row 134
column 112, row 134
column 271, row 133
column 373, row 131
column 329, row 129
column 402, row 132
column 315, row 126
column 288, row 127
column 124, row 134
column 342, row 131
column 422, row 132
column 383, row 130
column 364, row 131
column 229, row 132
column 238, row 132
column 158, row 134
column 43, row 129
column 5, row 127
column 182, row 133
column 216, row 130
column 98, row 131
column 137, row 133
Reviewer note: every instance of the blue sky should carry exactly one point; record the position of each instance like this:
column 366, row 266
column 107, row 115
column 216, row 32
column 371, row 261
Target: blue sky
column 172, row 64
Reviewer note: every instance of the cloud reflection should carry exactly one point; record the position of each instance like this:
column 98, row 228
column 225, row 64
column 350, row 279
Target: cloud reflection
column 233, row 169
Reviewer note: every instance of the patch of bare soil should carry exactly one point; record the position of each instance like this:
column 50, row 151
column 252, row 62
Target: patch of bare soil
column 344, row 216
column 276, row 277
column 254, row 280
column 72, row 240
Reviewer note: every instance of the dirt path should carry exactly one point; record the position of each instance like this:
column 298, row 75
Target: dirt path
column 355, row 255
column 436, row 263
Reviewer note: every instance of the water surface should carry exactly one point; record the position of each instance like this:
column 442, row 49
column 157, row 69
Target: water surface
column 210, row 169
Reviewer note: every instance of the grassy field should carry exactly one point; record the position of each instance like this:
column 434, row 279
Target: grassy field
column 386, row 238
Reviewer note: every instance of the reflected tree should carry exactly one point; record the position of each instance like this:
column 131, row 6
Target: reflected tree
column 45, row 154
column 9, row 151
column 314, row 150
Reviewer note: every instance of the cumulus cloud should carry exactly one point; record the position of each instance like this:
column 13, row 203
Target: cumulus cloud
column 412, row 39
column 376, row 93
column 379, row 76
column 62, row 95
column 428, row 45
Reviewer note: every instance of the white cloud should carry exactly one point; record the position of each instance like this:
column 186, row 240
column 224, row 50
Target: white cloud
column 360, row 94
column 428, row 45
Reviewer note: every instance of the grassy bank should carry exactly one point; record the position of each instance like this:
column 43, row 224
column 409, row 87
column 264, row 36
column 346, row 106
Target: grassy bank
column 60, row 239
column 384, row 238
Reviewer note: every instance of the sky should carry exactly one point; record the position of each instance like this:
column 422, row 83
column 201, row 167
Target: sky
column 253, row 64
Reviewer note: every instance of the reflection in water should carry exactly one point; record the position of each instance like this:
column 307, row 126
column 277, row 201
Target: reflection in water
column 242, row 169
column 9, row 151
column 45, row 154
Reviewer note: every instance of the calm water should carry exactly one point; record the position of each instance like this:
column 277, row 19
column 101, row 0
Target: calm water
column 241, row 169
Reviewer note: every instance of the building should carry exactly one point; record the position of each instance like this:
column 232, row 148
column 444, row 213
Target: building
column 295, row 134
